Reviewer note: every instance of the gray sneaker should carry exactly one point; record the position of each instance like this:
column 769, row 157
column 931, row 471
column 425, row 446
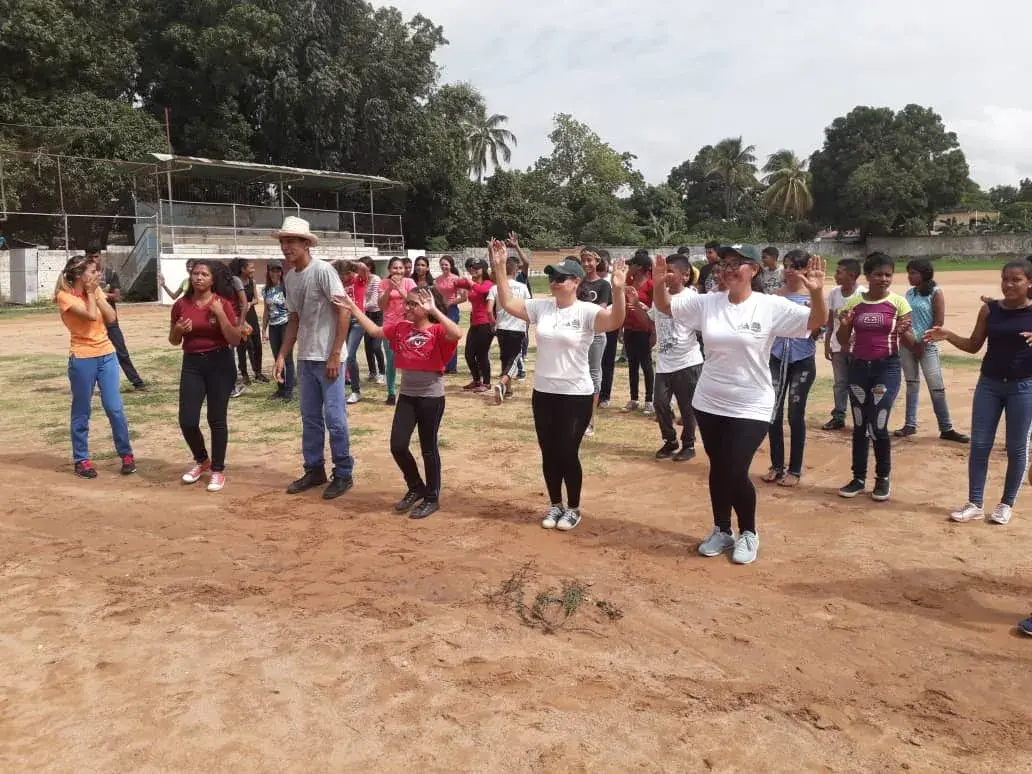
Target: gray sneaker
column 746, row 546
column 571, row 518
column 552, row 517
column 717, row 543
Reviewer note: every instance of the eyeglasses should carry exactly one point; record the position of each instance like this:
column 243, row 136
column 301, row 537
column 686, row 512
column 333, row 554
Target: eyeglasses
column 412, row 304
column 730, row 265
column 558, row 279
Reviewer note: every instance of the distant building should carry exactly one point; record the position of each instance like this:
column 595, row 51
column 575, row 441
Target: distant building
column 964, row 218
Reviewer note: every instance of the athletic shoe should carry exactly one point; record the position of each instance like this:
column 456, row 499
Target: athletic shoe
column 481, row 388
column 217, row 481
column 686, row 453
column 970, row 512
column 746, row 546
column 238, row 390
column 391, row 401
column 85, row 469
column 262, row 378
column 141, row 387
column 1001, row 514
column 905, row 431
column 571, row 518
column 193, row 475
column 337, row 487
column 589, row 432
column 354, row 398
column 521, row 377
column 246, row 380
column 128, row 464
column 834, row 424
column 953, row 435
column 882, row 490
column 424, row 509
column 472, row 385
column 649, row 410
column 381, row 379
column 667, row 450
column 552, row 517
column 717, row 543
column 499, row 393
column 1025, row 627
column 853, row 488
column 311, row 479
column 406, row 503
column 603, row 404
column 632, row 405
column 371, row 378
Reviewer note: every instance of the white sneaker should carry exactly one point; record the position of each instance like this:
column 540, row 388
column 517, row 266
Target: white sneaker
column 193, row 475
column 649, row 410
column 499, row 393
column 552, row 517
column 571, row 518
column 1001, row 514
column 970, row 512
column 590, row 432
column 381, row 379
column 717, row 543
column 746, row 546
column 354, row 397
column 603, row 404
column 632, row 405
column 218, row 480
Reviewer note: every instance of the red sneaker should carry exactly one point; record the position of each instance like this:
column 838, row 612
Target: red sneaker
column 85, row 469
column 128, row 464
column 472, row 385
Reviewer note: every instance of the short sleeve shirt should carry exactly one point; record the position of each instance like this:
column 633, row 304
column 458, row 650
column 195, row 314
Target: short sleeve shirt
column 89, row 338
column 310, row 295
column 677, row 346
column 563, row 339
column 876, row 325
column 505, row 321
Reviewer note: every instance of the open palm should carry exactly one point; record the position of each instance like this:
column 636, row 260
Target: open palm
column 813, row 279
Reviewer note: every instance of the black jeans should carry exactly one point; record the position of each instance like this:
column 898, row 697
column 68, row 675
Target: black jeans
column 424, row 414
column 639, row 355
column 478, row 349
column 114, row 333
column 276, row 334
column 206, row 376
column 679, row 386
column 873, row 387
column 560, row 422
column 605, row 394
column 374, row 346
column 792, row 383
column 510, row 344
column 251, row 347
column 731, row 444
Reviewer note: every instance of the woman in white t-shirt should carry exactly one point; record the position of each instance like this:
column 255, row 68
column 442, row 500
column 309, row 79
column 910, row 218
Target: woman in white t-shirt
column 563, row 390
column 734, row 401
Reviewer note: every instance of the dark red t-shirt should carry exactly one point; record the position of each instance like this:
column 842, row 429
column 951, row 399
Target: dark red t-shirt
column 206, row 334
column 477, row 299
column 356, row 289
column 631, row 321
column 415, row 349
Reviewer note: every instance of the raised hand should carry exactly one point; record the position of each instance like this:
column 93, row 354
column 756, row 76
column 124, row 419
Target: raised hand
column 659, row 269
column 618, row 274
column 499, row 255
column 512, row 240
column 813, row 278
column 426, row 300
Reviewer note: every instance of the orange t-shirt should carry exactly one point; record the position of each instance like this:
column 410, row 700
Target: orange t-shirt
column 89, row 337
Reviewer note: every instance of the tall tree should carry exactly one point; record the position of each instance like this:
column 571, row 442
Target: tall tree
column 734, row 163
column 788, row 185
column 490, row 145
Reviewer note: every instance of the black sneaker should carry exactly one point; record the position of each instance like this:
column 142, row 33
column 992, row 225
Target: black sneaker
column 834, row 424
column 905, row 432
column 404, row 505
column 686, row 453
column 667, row 451
column 337, row 487
column 881, row 490
column 261, row 378
column 953, row 435
column 424, row 509
column 391, row 400
column 141, row 387
column 311, row 479
column 853, row 488
column 85, row 469
column 128, row 465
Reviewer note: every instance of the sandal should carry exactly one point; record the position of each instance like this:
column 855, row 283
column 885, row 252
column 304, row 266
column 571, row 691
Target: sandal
column 773, row 476
column 789, row 479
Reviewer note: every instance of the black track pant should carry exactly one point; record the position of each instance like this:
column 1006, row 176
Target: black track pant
column 118, row 340
column 510, row 344
column 206, row 376
column 560, row 422
column 605, row 394
column 425, row 414
column 731, row 444
column 374, row 346
column 478, row 349
column 251, row 347
column 639, row 355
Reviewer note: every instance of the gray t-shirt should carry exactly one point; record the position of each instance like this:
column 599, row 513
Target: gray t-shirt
column 422, row 384
column 310, row 296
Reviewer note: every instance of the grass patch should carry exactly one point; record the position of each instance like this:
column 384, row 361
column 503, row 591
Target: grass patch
column 552, row 607
column 959, row 361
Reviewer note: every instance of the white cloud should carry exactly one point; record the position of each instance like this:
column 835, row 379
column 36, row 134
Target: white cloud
column 661, row 79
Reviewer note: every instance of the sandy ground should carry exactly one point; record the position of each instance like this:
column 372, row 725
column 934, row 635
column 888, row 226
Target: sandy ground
column 150, row 627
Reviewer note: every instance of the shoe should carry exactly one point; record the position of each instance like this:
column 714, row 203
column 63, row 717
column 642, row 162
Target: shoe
column 686, row 453
column 311, row 479
column 1001, row 514
column 424, row 509
column 571, row 518
column 472, row 385
column 649, row 410
column 85, row 469
column 853, row 488
column 406, row 503
column 128, row 464
column 603, row 404
column 746, row 546
column 882, row 489
column 953, row 435
column 717, row 543
column 278, row 395
column 834, row 424
column 141, row 387
column 667, row 450
column 552, row 517
column 381, row 379
column 193, row 475
column 1025, row 627
column 905, row 431
column 970, row 512
column 217, row 481
column 238, row 390
column 499, row 393
column 632, row 405
column 262, row 378
column 371, row 378
column 521, row 377
column 246, row 380
column 391, row 401
column 354, row 398
column 589, row 431
column 481, row 388
column 337, row 487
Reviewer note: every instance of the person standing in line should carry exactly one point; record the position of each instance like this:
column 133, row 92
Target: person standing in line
column 605, row 395
column 274, row 325
column 112, row 288
column 394, row 291
column 847, row 272
column 639, row 332
column 373, row 346
column 319, row 329
column 563, row 392
column 873, row 326
column 523, row 275
column 594, row 289
column 1004, row 388
column 354, row 277
column 204, row 322
column 250, row 346
column 423, row 341
column 772, row 275
column 453, row 296
column 480, row 333
column 421, row 273
column 183, row 287
column 734, row 400
column 510, row 330
column 707, row 276
column 92, row 362
column 927, row 310
column 678, row 364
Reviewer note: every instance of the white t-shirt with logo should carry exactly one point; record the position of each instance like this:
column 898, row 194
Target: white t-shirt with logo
column 735, row 379
column 503, row 320
column 563, row 338
column 676, row 343
column 836, row 300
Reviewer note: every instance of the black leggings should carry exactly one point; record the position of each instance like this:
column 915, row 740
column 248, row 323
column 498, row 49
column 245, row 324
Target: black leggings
column 560, row 422
column 639, row 355
column 251, row 347
column 478, row 349
column 510, row 344
column 374, row 346
column 731, row 444
column 605, row 394
column 206, row 376
column 424, row 413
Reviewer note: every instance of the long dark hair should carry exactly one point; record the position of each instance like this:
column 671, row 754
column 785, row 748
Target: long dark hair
column 268, row 277
column 923, row 267
column 451, row 265
column 429, row 277
column 221, row 279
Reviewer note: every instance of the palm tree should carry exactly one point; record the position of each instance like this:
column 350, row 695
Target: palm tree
column 788, row 185
column 488, row 143
column 735, row 165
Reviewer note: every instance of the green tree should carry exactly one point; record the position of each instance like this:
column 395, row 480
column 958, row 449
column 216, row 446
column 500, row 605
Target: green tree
column 490, row 145
column 734, row 164
column 788, row 185
column 702, row 195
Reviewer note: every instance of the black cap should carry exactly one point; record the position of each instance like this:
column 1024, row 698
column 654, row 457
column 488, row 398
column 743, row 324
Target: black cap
column 275, row 265
column 569, row 267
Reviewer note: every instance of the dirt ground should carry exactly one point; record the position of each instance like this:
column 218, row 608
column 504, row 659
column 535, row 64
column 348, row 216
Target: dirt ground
column 146, row 626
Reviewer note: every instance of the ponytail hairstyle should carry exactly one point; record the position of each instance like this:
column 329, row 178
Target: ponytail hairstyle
column 221, row 279
column 923, row 267
column 71, row 273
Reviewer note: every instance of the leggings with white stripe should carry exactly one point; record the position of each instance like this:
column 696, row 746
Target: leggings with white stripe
column 425, row 414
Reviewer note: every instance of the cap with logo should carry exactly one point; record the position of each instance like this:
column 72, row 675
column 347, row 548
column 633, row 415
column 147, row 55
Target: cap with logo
column 745, row 252
column 568, row 267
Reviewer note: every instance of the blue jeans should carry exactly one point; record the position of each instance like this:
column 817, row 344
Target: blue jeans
column 276, row 333
column 324, row 409
column 873, row 387
column 792, row 383
column 840, row 390
column 355, row 336
column 993, row 398
column 83, row 374
column 454, row 315
column 931, row 368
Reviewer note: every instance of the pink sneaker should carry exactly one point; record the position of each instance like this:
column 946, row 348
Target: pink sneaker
column 218, row 480
column 193, row 475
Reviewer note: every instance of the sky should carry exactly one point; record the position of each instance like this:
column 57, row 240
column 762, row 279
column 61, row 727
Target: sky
column 661, row 78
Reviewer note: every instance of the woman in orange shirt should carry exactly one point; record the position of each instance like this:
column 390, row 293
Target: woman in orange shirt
column 92, row 362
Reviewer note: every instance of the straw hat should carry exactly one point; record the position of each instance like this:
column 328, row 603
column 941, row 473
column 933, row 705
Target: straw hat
column 297, row 227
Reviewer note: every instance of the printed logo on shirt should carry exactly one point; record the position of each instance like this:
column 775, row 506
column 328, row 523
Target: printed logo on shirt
column 573, row 323
column 873, row 320
column 753, row 327
column 415, row 344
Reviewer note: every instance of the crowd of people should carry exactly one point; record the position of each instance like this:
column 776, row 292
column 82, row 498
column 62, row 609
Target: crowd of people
column 735, row 340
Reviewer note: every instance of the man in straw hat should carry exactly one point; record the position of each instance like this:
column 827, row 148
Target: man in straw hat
column 319, row 329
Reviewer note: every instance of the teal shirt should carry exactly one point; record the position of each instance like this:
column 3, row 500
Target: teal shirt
column 921, row 316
